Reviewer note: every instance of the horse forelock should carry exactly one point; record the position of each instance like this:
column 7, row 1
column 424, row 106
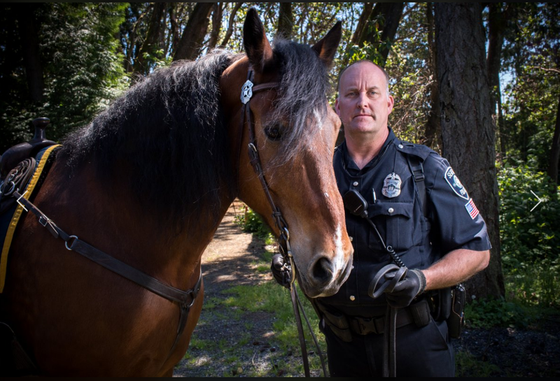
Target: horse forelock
column 168, row 129
column 302, row 95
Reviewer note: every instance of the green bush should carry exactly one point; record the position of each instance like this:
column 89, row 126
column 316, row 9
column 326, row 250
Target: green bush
column 530, row 237
column 489, row 313
column 251, row 222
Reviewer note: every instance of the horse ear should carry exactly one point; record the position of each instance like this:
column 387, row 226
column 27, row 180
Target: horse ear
column 326, row 47
column 255, row 42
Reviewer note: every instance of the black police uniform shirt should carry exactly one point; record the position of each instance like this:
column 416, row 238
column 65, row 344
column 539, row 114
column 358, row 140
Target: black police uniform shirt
column 387, row 184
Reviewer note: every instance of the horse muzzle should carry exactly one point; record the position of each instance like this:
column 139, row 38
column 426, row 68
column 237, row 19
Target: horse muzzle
column 324, row 276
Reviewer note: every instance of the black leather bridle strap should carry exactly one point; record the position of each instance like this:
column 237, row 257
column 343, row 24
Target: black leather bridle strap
column 185, row 299
column 390, row 332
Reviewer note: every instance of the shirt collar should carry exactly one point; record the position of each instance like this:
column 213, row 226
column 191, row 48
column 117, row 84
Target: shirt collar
column 353, row 168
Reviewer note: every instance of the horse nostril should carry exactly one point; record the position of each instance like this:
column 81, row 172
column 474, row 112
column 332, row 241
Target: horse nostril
column 323, row 270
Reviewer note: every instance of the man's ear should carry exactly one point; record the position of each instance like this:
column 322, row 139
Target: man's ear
column 336, row 108
column 390, row 103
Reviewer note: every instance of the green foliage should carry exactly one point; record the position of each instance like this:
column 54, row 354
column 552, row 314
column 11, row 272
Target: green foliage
column 489, row 313
column 251, row 222
column 81, row 68
column 530, row 235
column 530, row 55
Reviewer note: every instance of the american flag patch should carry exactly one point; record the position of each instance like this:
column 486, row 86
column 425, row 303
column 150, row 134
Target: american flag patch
column 471, row 208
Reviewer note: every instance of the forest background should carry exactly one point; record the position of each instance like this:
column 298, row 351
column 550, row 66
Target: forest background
column 477, row 82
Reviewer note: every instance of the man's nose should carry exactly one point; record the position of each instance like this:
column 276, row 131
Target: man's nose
column 362, row 101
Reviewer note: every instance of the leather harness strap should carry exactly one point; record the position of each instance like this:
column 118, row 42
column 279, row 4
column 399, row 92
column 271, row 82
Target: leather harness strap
column 390, row 331
column 184, row 299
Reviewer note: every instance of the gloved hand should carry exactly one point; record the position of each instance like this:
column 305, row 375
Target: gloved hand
column 406, row 289
column 281, row 271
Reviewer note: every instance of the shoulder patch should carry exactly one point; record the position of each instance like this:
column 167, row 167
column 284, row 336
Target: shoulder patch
column 471, row 209
column 455, row 184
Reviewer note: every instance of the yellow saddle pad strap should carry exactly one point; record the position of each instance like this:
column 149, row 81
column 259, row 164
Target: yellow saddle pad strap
column 17, row 215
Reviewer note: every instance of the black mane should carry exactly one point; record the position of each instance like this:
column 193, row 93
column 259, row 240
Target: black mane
column 170, row 134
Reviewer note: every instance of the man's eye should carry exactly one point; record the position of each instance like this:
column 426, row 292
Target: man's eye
column 274, row 132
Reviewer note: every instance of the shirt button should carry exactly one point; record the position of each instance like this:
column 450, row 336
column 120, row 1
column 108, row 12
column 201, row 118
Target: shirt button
column 390, row 210
column 352, row 297
column 355, row 183
column 401, row 146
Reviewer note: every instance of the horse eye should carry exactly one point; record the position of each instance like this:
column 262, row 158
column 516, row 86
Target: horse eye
column 274, row 132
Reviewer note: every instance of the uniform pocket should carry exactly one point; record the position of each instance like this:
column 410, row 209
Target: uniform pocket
column 395, row 222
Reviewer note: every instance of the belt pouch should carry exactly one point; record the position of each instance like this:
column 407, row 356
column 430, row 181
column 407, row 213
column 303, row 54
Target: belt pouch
column 420, row 312
column 338, row 323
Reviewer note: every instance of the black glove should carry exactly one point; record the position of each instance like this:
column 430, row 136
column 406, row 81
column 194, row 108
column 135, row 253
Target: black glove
column 406, row 289
column 281, row 271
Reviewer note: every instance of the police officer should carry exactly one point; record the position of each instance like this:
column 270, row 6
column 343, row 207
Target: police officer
column 417, row 215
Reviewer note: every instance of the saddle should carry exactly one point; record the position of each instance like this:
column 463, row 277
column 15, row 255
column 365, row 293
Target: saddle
column 19, row 152
column 23, row 169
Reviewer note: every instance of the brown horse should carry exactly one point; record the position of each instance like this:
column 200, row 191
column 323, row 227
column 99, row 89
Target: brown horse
column 148, row 182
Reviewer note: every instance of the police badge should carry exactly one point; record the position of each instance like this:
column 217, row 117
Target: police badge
column 455, row 184
column 391, row 185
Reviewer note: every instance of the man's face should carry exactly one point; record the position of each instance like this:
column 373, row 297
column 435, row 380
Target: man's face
column 363, row 103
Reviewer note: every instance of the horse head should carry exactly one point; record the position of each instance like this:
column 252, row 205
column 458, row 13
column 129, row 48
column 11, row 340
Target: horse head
column 291, row 129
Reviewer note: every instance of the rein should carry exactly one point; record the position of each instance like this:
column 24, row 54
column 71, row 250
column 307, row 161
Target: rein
column 247, row 92
column 184, row 299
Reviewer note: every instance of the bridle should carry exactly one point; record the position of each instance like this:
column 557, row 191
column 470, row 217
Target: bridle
column 247, row 91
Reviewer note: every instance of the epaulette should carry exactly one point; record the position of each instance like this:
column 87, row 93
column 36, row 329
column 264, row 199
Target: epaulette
column 417, row 150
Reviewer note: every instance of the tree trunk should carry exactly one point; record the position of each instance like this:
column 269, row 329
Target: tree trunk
column 28, row 31
column 359, row 33
column 496, row 27
column 231, row 22
column 433, row 125
column 285, row 21
column 142, row 65
column 193, row 35
column 216, row 25
column 390, row 14
column 555, row 149
column 466, row 123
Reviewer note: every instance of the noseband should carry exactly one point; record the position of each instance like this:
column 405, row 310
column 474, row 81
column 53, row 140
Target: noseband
column 247, row 92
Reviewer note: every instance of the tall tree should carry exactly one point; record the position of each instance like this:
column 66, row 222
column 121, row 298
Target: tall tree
column 193, row 35
column 497, row 23
column 382, row 28
column 466, row 123
column 285, row 20
column 28, row 31
column 153, row 41
column 433, row 125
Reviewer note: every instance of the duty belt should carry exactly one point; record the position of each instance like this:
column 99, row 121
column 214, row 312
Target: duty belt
column 363, row 326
